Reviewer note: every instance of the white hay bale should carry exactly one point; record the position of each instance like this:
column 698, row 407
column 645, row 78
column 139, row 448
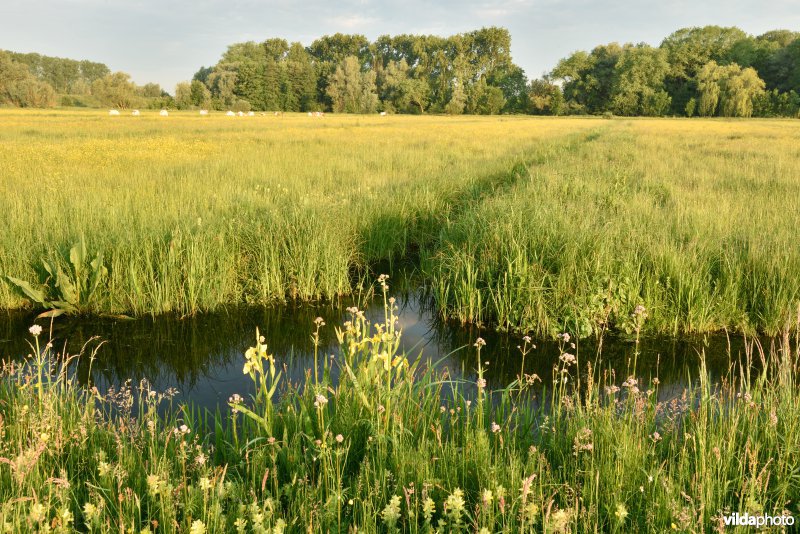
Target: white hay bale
column 203, row 112
column 164, row 113
column 251, row 114
column 230, row 114
column 113, row 112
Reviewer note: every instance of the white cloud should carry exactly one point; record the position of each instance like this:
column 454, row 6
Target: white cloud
column 353, row 22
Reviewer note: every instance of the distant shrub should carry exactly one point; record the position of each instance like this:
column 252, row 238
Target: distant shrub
column 18, row 87
column 241, row 105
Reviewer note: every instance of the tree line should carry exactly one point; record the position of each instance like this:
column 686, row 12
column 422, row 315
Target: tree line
column 65, row 76
column 20, row 87
column 34, row 80
column 706, row 71
column 465, row 73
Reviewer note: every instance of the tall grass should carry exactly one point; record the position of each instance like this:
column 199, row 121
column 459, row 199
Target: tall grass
column 193, row 213
column 394, row 447
column 695, row 220
column 529, row 224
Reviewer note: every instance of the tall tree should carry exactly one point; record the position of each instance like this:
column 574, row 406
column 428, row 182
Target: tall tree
column 222, row 83
column 514, row 85
column 783, row 68
column 688, row 50
column 150, row 90
column 200, row 96
column 728, row 90
column 400, row 91
column 589, row 78
column 638, row 87
column 329, row 52
column 708, row 86
column 183, row 95
column 484, row 99
column 18, row 87
column 458, row 98
column 544, row 97
column 300, row 86
column 351, row 90
column 740, row 88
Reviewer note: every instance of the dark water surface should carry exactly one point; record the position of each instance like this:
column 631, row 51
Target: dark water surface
column 202, row 356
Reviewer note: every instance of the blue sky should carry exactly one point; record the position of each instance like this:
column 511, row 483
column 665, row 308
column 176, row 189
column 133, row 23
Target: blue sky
column 166, row 41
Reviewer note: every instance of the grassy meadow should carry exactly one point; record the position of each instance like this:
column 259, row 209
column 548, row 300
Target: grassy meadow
column 530, row 224
column 193, row 213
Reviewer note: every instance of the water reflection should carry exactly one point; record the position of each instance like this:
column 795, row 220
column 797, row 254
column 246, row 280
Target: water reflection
column 202, row 356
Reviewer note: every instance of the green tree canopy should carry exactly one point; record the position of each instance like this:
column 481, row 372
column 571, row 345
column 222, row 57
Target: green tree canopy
column 544, row 97
column 638, row 87
column 413, row 73
column 728, row 90
column 351, row 90
column 65, row 76
column 115, row 90
column 18, row 87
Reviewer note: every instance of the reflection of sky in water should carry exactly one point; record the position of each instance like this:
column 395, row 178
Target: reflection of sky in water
column 203, row 356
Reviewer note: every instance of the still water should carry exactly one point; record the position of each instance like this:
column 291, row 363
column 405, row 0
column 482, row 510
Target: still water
column 202, row 356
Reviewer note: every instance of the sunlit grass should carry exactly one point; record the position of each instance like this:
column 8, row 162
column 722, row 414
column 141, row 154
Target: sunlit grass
column 697, row 220
column 198, row 212
column 530, row 224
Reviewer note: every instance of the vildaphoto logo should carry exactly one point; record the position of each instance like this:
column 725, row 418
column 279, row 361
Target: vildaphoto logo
column 746, row 520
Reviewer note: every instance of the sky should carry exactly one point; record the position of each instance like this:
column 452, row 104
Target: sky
column 167, row 41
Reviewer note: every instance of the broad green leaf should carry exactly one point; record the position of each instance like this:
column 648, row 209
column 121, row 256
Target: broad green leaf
column 77, row 254
column 99, row 272
column 48, row 266
column 67, row 289
column 35, row 295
